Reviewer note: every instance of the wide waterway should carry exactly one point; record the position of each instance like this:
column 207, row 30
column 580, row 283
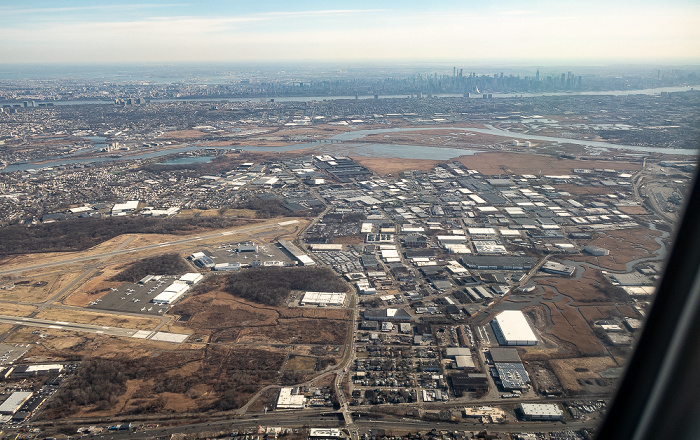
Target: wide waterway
column 652, row 91
column 347, row 147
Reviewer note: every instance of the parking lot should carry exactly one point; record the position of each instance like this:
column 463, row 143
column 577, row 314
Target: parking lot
column 266, row 254
column 10, row 353
column 341, row 261
column 136, row 298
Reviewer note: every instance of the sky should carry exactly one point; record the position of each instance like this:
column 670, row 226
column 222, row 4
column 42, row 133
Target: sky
column 533, row 31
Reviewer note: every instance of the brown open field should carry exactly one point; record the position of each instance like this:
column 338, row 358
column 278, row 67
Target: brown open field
column 233, row 320
column 592, row 313
column 590, row 288
column 95, row 287
column 633, row 210
column 582, row 189
column 16, row 309
column 570, row 327
column 384, row 166
column 570, row 371
column 37, row 289
column 300, row 363
column 437, row 138
column 624, row 245
column 493, row 163
column 524, row 163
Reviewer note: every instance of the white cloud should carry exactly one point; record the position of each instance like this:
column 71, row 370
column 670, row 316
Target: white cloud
column 14, row 10
column 465, row 34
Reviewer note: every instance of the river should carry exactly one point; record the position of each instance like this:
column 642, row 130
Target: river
column 347, row 147
column 651, row 91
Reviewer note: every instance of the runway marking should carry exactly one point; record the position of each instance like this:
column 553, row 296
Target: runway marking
column 141, row 334
column 287, row 223
column 55, row 327
column 169, row 337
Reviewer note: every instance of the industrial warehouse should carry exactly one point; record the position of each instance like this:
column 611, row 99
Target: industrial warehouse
column 541, row 411
column 321, row 299
column 511, row 328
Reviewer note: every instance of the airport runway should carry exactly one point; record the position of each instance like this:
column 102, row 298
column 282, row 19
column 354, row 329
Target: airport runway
column 61, row 325
column 271, row 226
column 89, row 328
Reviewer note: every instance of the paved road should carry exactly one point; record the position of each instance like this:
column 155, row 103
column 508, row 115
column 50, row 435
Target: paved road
column 319, row 418
column 323, row 418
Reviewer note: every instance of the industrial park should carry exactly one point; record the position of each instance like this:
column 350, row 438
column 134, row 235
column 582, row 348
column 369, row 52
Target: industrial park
column 438, row 267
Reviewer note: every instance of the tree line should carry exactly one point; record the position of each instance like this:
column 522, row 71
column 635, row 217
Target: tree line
column 98, row 382
column 81, row 234
column 271, row 285
column 167, row 264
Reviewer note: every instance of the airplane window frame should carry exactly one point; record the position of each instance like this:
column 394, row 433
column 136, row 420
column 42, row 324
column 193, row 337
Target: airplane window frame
column 659, row 395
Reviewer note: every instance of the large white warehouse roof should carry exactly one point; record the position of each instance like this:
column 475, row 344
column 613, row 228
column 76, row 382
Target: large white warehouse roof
column 171, row 293
column 511, row 328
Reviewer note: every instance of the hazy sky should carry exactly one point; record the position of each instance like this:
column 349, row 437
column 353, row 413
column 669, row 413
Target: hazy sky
column 242, row 30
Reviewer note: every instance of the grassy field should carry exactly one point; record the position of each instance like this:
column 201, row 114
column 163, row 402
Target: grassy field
column 37, row 289
column 16, row 309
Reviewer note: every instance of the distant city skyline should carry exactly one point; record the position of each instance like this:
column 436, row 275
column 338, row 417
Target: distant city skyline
column 544, row 32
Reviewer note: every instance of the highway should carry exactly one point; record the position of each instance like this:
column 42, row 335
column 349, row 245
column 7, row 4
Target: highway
column 323, row 418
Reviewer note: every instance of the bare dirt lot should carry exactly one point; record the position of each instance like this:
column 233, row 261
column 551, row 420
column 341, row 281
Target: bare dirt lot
column 573, row 373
